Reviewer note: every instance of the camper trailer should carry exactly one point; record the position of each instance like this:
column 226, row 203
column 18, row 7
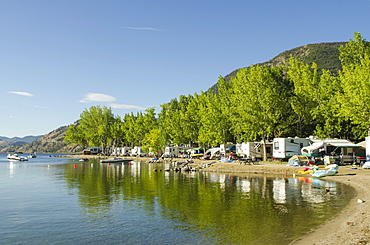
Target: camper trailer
column 253, row 150
column 284, row 148
column 121, row 151
column 92, row 151
column 137, row 152
column 176, row 151
column 341, row 149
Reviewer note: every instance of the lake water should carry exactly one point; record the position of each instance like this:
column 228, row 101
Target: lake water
column 52, row 200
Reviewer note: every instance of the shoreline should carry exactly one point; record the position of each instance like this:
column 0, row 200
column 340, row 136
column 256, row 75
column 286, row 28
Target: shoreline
column 349, row 226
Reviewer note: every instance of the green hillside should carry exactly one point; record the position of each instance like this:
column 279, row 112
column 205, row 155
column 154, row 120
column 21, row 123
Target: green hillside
column 325, row 55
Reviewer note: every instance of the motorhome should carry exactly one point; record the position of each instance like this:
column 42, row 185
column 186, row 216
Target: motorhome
column 253, row 150
column 176, row 151
column 284, row 148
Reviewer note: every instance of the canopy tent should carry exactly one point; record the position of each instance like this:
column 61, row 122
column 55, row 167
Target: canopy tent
column 343, row 144
column 313, row 150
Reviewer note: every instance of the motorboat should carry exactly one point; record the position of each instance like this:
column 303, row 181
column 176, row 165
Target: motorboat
column 32, row 155
column 330, row 170
column 84, row 160
column 116, row 160
column 16, row 157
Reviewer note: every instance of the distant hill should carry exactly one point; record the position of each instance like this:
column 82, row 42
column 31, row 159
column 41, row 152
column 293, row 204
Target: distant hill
column 16, row 141
column 325, row 55
column 52, row 142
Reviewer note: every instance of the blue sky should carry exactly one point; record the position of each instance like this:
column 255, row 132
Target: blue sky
column 61, row 57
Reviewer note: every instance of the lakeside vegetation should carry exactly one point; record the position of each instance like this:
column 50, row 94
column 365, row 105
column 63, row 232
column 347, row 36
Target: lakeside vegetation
column 260, row 102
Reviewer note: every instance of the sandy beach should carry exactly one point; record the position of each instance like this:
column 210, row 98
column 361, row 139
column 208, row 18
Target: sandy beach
column 350, row 226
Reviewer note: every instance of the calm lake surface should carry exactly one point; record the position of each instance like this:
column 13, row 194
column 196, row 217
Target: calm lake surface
column 52, row 200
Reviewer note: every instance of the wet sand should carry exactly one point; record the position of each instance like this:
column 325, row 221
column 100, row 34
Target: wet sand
column 350, row 226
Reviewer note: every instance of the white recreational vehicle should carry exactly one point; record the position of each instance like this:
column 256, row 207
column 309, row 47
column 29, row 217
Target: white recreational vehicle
column 121, row 151
column 367, row 163
column 137, row 151
column 284, row 148
column 253, row 150
column 176, row 151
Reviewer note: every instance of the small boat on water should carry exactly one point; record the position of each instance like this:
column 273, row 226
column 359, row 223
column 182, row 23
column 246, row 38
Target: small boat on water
column 16, row 157
column 330, row 170
column 32, row 155
column 115, row 160
column 84, row 160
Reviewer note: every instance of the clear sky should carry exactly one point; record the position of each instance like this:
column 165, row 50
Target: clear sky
column 60, row 57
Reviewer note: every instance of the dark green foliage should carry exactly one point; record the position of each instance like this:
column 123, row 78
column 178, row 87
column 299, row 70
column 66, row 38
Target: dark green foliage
column 325, row 55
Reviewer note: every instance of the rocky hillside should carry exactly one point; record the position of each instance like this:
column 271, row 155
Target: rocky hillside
column 50, row 143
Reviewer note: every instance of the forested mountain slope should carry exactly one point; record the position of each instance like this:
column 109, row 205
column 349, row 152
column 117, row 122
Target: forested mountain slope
column 325, row 55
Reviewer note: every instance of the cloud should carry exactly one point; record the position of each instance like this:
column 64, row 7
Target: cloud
column 104, row 98
column 21, row 93
column 128, row 107
column 142, row 28
column 95, row 97
column 40, row 107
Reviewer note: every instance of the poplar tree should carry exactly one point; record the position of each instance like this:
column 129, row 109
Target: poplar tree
column 129, row 127
column 260, row 101
column 355, row 81
column 75, row 135
column 176, row 121
column 214, row 117
column 154, row 141
column 96, row 125
column 305, row 81
column 326, row 114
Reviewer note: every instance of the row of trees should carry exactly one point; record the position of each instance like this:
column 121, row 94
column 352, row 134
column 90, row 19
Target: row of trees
column 259, row 103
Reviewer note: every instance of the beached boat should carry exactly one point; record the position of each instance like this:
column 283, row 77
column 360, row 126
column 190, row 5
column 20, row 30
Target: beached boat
column 330, row 170
column 115, row 160
column 16, row 157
